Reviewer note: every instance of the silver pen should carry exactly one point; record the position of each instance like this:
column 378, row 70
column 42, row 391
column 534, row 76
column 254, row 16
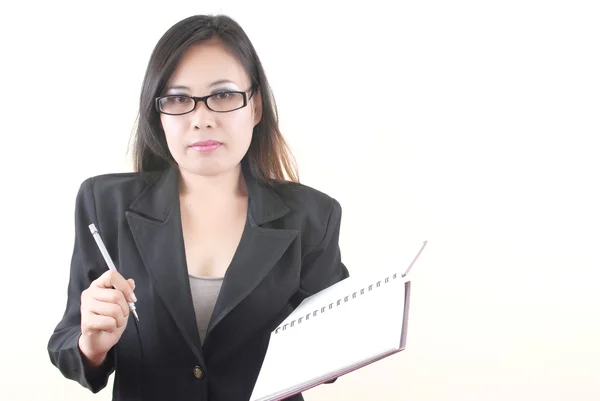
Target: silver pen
column 109, row 261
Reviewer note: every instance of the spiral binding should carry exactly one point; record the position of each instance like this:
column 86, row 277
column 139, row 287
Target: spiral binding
column 339, row 302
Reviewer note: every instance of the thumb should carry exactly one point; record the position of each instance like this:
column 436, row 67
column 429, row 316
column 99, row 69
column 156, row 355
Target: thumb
column 131, row 284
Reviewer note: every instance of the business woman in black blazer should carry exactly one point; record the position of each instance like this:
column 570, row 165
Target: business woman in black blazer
column 209, row 200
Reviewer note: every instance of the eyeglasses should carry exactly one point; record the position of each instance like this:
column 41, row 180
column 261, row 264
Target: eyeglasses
column 221, row 102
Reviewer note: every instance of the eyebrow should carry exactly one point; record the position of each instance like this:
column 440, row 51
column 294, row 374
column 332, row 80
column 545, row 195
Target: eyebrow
column 215, row 83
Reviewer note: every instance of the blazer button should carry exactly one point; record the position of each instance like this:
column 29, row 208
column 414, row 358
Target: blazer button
column 198, row 372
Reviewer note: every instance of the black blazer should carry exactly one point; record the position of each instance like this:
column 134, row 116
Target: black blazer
column 288, row 251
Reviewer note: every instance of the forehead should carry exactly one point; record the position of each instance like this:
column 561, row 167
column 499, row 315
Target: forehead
column 207, row 62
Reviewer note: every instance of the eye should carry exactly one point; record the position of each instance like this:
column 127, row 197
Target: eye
column 223, row 95
column 178, row 99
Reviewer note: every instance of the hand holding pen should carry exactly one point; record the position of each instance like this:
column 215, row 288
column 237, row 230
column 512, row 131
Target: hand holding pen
column 105, row 307
column 111, row 265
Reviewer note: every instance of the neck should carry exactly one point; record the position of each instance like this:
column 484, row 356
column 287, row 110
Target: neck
column 212, row 188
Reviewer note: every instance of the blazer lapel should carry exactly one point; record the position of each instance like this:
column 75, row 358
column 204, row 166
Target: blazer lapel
column 258, row 251
column 155, row 222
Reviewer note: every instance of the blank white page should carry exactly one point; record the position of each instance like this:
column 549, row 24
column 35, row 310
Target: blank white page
column 366, row 324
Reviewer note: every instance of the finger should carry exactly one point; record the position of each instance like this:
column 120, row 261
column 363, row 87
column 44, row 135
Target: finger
column 109, row 295
column 91, row 323
column 108, row 278
column 108, row 309
column 131, row 284
column 112, row 278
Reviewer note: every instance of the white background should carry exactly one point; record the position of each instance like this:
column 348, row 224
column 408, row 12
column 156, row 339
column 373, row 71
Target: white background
column 472, row 124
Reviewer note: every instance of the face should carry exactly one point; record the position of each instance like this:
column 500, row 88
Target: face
column 203, row 141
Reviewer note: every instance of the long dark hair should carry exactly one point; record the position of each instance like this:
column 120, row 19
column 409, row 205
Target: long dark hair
column 269, row 157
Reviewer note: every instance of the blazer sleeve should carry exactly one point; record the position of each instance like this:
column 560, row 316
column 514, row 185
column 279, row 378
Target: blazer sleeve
column 63, row 345
column 322, row 265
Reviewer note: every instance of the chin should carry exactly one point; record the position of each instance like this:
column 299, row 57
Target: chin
column 209, row 169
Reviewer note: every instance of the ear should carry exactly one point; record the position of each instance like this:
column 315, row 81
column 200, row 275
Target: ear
column 257, row 106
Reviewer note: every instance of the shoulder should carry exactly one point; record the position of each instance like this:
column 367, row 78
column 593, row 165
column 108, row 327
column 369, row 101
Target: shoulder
column 112, row 193
column 115, row 184
column 317, row 213
column 303, row 198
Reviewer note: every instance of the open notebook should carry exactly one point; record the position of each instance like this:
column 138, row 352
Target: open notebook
column 349, row 325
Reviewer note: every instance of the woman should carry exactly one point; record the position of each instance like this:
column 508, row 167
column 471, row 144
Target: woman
column 222, row 247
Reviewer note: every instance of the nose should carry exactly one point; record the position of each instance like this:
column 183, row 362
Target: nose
column 202, row 116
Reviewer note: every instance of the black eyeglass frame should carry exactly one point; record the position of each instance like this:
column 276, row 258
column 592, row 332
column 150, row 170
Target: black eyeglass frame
column 204, row 99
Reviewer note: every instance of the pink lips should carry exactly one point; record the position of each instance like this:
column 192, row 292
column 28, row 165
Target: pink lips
column 205, row 146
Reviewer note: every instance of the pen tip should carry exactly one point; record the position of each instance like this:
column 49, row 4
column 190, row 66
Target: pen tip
column 136, row 316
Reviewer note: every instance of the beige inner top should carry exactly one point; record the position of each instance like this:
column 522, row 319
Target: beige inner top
column 205, row 291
